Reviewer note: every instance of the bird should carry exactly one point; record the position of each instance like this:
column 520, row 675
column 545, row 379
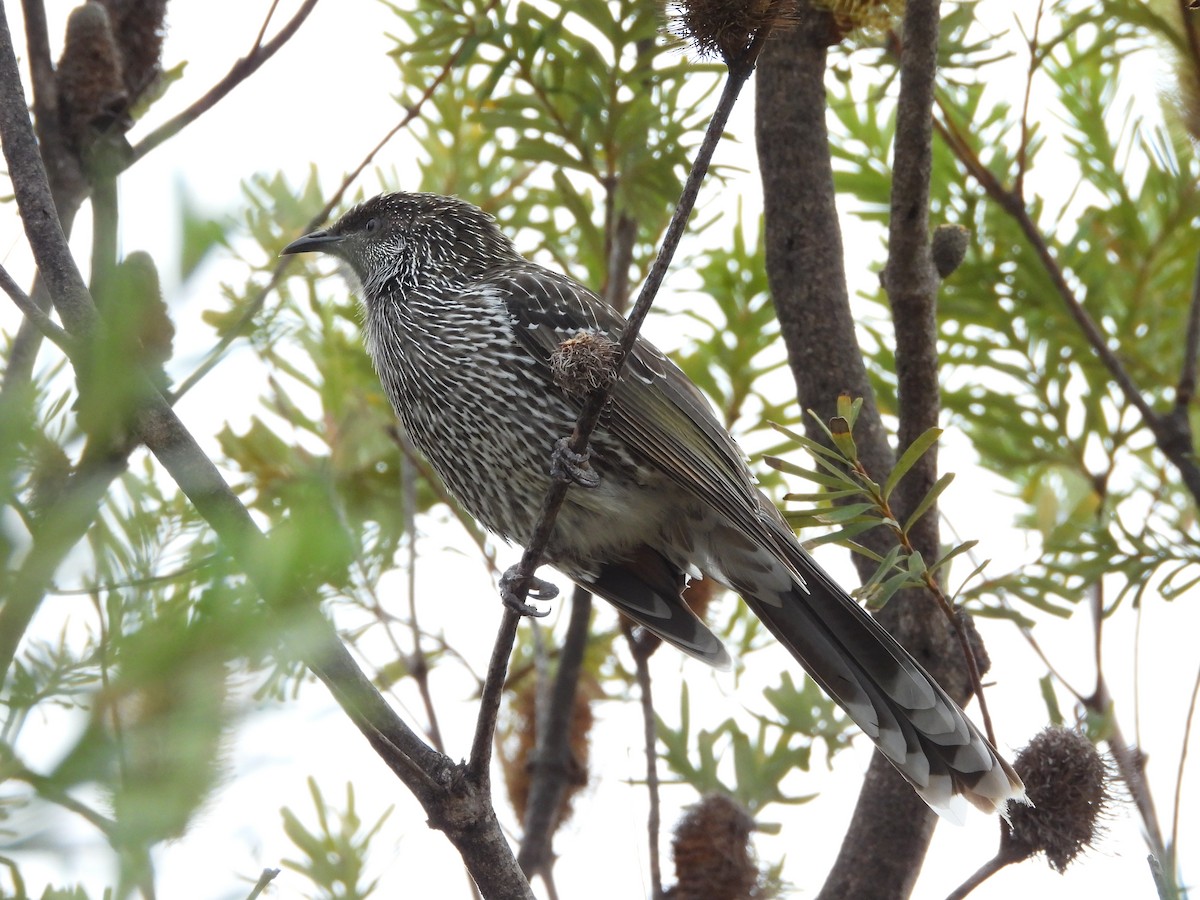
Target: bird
column 463, row 331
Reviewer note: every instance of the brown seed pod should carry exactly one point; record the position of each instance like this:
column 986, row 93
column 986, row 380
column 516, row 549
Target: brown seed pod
column 583, row 363
column 726, row 28
column 91, row 92
column 139, row 29
column 712, row 853
column 1067, row 781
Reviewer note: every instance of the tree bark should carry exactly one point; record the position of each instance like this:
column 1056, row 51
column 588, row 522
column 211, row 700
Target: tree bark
column 889, row 834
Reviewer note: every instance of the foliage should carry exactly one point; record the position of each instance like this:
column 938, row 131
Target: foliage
column 574, row 124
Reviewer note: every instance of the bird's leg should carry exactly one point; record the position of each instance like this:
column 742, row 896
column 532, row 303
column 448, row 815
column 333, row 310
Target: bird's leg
column 567, row 465
column 538, row 590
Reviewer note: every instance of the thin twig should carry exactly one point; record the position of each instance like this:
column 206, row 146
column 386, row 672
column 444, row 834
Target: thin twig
column 935, row 591
column 489, row 700
column 642, row 651
column 267, row 876
column 1034, row 63
column 589, row 416
column 1172, row 435
column 262, row 32
column 35, row 314
column 47, row 789
column 1183, row 754
column 986, row 871
column 418, row 661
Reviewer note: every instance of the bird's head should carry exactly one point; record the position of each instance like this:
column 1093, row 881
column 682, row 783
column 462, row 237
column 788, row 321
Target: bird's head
column 398, row 242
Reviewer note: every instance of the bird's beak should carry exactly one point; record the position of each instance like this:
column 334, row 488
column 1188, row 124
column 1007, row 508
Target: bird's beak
column 317, row 242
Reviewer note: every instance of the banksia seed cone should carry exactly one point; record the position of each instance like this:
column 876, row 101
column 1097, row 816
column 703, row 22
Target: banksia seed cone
column 711, row 848
column 583, row 363
column 91, row 92
column 139, row 29
column 134, row 304
column 1066, row 779
column 726, row 28
column 862, row 16
column 518, row 743
column 949, row 248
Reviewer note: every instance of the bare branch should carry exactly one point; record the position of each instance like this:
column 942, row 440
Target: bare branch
column 1171, row 433
column 1183, row 755
column 910, row 279
column 35, row 313
column 551, row 763
column 642, row 651
column 239, row 72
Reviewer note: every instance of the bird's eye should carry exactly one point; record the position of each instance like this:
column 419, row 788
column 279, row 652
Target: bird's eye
column 372, row 226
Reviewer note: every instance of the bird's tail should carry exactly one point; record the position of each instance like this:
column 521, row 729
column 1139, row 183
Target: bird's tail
column 899, row 705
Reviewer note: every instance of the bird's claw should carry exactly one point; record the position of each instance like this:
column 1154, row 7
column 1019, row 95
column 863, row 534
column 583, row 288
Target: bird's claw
column 537, row 590
column 567, row 465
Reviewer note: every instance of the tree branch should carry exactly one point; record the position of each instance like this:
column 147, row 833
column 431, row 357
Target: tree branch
column 642, row 651
column 35, row 314
column 1171, row 433
column 239, row 72
column 551, row 762
column 452, row 805
column 909, row 278
column 889, row 835
column 739, row 73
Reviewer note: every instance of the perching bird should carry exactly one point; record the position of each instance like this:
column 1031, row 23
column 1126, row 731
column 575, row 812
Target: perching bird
column 462, row 330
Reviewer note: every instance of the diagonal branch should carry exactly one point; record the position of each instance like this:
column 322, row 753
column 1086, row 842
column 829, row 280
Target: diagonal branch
column 34, row 313
column 462, row 812
column 1171, row 433
column 1185, row 390
column 239, row 72
column 739, row 72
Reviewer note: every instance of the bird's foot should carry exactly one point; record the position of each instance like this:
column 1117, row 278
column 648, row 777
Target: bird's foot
column 538, row 590
column 567, row 465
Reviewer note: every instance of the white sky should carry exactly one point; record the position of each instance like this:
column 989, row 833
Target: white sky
column 323, row 101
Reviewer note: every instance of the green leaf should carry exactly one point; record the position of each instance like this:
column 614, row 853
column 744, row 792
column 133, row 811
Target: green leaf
column 1046, row 683
column 908, row 459
column 928, row 500
column 837, row 481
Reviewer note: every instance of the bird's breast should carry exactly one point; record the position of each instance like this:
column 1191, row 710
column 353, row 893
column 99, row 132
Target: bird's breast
column 486, row 415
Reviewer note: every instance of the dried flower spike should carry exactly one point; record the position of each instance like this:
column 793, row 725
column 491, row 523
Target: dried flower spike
column 711, row 848
column 1067, row 780
column 726, row 28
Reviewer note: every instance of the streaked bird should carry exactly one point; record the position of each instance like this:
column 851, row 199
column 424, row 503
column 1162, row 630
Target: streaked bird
column 462, row 330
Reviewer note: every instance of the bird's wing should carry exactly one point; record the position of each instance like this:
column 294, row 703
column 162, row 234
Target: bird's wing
column 654, row 409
